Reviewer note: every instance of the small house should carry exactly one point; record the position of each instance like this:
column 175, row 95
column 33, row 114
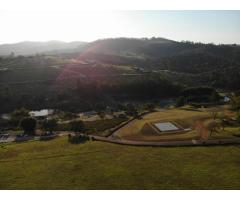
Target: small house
column 41, row 113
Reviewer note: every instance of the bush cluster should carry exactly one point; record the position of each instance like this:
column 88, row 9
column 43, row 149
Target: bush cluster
column 77, row 139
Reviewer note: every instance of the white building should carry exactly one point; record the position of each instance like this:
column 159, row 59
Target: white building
column 226, row 99
column 41, row 113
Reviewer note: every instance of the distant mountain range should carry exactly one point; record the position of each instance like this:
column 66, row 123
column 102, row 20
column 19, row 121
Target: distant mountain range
column 131, row 46
column 159, row 48
column 128, row 47
column 29, row 48
column 187, row 57
column 185, row 62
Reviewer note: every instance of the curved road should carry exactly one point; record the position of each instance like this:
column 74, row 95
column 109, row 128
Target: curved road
column 168, row 143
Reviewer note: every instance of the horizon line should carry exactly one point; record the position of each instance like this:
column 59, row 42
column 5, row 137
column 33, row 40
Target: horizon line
column 72, row 41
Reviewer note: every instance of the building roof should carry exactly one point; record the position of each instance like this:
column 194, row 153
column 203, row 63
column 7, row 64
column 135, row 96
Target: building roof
column 40, row 113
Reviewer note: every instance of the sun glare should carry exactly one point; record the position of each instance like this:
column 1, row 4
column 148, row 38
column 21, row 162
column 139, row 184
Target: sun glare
column 66, row 26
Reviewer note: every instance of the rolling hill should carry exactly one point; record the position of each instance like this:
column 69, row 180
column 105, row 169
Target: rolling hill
column 185, row 62
column 156, row 48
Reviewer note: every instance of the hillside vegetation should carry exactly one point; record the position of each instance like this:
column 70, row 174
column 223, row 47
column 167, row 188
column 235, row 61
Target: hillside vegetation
column 113, row 71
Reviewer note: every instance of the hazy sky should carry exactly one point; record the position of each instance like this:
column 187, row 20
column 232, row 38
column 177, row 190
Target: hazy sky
column 204, row 26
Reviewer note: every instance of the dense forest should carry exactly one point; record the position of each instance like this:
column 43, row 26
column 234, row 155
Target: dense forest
column 79, row 95
column 113, row 71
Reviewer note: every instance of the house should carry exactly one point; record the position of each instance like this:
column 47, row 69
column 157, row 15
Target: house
column 41, row 113
column 226, row 99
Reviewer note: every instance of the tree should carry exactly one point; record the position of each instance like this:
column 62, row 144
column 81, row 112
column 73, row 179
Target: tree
column 214, row 97
column 180, row 101
column 77, row 126
column 224, row 120
column 18, row 115
column 49, row 125
column 101, row 114
column 214, row 113
column 100, row 109
column 12, row 55
column 131, row 110
column 235, row 102
column 212, row 126
column 28, row 124
column 149, row 106
column 238, row 117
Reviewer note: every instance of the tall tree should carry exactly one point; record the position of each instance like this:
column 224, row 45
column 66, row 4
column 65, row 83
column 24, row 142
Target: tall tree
column 77, row 126
column 49, row 125
column 29, row 124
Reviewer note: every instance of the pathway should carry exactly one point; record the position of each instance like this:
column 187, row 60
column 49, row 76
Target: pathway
column 168, row 143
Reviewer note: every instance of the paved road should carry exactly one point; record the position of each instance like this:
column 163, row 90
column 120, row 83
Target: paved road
column 145, row 143
column 169, row 143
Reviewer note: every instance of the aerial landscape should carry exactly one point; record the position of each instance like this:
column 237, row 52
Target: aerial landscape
column 122, row 111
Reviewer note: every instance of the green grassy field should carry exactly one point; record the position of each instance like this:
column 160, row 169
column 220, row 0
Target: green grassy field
column 56, row 164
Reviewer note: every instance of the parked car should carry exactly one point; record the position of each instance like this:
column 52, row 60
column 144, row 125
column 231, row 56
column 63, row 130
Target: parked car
column 4, row 136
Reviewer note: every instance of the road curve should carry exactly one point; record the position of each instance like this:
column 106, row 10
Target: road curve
column 167, row 143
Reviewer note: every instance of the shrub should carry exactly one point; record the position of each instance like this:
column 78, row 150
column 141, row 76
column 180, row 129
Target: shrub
column 76, row 139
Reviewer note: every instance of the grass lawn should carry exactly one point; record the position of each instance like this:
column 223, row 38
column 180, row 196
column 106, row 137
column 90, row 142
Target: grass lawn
column 141, row 130
column 184, row 118
column 56, row 164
